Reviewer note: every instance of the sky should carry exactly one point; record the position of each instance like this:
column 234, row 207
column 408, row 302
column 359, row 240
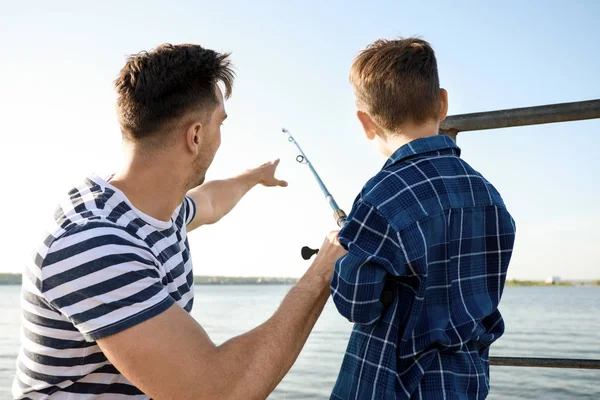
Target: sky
column 57, row 114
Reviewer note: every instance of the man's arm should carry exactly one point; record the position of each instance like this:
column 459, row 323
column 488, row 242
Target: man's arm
column 215, row 199
column 170, row 356
column 359, row 277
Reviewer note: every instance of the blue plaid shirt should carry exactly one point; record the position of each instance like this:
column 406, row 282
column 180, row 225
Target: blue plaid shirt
column 429, row 241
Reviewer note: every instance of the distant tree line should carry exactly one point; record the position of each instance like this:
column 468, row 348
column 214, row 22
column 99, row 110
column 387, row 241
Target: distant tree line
column 15, row 279
column 515, row 282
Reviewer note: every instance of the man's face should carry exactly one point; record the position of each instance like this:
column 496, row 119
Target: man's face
column 211, row 141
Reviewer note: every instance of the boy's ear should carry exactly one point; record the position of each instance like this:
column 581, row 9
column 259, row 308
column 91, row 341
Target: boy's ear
column 369, row 126
column 443, row 104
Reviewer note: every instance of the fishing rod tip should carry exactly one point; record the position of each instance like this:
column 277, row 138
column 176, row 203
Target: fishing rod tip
column 284, row 130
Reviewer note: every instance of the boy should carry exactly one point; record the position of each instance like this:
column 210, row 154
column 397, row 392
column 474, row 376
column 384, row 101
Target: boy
column 429, row 241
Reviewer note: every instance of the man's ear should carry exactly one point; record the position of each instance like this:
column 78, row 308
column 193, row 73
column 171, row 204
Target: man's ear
column 193, row 137
column 443, row 104
column 369, row 126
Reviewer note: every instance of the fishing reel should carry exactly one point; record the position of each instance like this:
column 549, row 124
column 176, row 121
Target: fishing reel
column 340, row 218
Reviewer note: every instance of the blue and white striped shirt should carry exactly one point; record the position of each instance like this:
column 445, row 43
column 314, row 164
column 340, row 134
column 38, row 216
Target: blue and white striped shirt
column 429, row 241
column 102, row 267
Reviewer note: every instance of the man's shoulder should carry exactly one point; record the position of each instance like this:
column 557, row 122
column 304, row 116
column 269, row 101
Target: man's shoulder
column 91, row 204
column 89, row 240
column 88, row 215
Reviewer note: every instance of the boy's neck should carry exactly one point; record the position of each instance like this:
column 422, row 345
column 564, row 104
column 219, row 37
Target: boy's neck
column 409, row 132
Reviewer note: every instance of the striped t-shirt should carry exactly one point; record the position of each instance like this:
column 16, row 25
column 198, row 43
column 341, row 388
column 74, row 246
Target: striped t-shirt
column 103, row 267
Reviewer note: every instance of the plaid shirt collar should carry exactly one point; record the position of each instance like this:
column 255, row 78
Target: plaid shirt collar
column 440, row 143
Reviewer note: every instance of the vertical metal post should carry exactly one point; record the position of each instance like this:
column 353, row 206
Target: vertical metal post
column 452, row 133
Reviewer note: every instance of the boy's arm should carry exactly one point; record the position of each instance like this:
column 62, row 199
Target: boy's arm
column 373, row 253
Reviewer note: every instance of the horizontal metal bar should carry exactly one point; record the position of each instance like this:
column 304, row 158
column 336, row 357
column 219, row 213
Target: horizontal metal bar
column 563, row 112
column 545, row 362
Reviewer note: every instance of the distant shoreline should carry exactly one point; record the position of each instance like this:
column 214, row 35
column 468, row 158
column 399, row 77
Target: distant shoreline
column 15, row 279
column 587, row 283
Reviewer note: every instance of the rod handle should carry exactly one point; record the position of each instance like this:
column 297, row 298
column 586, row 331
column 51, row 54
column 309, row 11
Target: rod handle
column 340, row 217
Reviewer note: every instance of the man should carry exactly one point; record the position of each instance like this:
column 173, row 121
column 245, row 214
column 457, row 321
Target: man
column 429, row 241
column 107, row 295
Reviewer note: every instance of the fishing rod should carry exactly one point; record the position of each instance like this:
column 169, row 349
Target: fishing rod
column 339, row 214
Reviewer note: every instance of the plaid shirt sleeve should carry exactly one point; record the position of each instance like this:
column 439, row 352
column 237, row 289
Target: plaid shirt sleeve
column 359, row 276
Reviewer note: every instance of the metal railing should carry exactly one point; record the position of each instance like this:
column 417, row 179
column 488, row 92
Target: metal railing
column 550, row 113
column 562, row 112
column 580, row 363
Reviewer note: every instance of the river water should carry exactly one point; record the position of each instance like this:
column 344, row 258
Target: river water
column 540, row 322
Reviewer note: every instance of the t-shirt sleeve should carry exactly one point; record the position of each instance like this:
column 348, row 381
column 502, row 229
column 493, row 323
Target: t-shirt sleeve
column 190, row 209
column 103, row 279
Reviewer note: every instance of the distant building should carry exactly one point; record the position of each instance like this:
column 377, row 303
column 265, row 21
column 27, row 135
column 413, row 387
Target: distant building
column 553, row 280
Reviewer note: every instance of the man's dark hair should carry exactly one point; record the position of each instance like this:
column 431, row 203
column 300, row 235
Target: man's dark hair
column 396, row 81
column 157, row 87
